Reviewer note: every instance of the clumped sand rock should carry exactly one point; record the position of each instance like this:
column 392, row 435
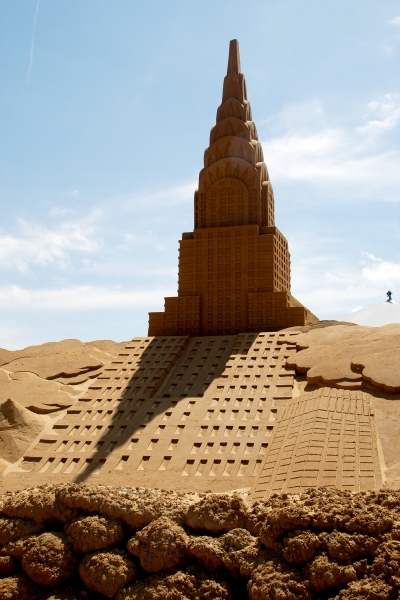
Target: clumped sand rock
column 95, row 533
column 161, row 545
column 49, row 559
column 12, row 529
column 345, row 547
column 190, row 584
column 17, row 548
column 18, row 588
column 301, row 548
column 217, row 513
column 37, row 504
column 274, row 580
column 317, row 544
column 325, row 574
column 136, row 507
column 107, row 572
column 367, row 589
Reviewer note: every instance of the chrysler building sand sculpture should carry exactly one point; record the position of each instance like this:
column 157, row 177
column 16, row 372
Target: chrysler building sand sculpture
column 208, row 400
column 234, row 269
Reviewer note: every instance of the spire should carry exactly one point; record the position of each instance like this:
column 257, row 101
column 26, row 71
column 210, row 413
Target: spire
column 234, row 57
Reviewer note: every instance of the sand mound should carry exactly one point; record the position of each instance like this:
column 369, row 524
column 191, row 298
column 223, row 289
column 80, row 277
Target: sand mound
column 321, row 543
column 350, row 357
column 18, row 428
column 47, row 378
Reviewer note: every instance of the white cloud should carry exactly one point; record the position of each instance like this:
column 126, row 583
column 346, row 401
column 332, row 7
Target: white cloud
column 75, row 193
column 311, row 150
column 332, row 291
column 395, row 20
column 81, row 298
column 386, row 112
column 380, row 273
column 38, row 245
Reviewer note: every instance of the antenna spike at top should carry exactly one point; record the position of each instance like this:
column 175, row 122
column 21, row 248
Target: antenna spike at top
column 234, row 57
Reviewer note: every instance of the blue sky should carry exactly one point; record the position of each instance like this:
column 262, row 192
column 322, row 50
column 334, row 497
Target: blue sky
column 105, row 112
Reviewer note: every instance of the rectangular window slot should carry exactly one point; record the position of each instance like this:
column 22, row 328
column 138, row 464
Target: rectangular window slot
column 152, row 444
column 60, row 466
column 229, row 468
column 196, row 448
column 72, row 465
column 121, row 464
column 165, row 463
column 188, row 470
column 143, row 463
column 243, row 468
column 201, row 468
column 47, row 465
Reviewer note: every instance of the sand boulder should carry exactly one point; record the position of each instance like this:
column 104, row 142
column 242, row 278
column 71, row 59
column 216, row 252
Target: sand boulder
column 275, row 580
column 217, row 513
column 107, row 572
column 95, row 533
column 18, row 587
column 190, row 584
column 49, row 560
column 326, row 574
column 12, row 529
column 161, row 545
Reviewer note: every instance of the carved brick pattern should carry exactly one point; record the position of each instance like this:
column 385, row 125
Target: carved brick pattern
column 325, row 438
column 187, row 413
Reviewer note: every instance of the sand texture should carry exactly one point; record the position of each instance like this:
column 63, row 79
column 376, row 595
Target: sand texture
column 93, row 542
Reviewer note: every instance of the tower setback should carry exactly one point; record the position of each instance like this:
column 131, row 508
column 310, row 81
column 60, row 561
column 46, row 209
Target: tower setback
column 234, row 268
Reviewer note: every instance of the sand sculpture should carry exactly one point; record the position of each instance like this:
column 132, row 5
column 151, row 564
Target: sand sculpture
column 275, row 439
column 268, row 413
column 234, row 268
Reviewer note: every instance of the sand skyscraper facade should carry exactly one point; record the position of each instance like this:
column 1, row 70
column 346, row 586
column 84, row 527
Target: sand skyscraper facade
column 234, row 268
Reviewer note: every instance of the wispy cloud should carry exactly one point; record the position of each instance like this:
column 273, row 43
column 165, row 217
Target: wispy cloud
column 81, row 298
column 38, row 245
column 382, row 115
column 172, row 196
column 395, row 20
column 309, row 149
column 30, row 66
